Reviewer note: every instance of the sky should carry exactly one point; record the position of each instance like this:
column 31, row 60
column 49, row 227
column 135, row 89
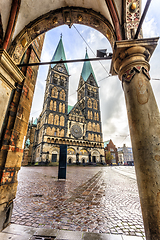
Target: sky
column 112, row 102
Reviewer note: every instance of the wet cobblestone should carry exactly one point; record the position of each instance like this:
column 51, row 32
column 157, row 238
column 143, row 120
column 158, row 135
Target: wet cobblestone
column 92, row 199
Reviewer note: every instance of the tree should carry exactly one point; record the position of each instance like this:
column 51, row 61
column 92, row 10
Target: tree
column 108, row 157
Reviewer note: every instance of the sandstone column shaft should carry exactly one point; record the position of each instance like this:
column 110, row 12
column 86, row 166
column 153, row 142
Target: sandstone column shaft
column 144, row 123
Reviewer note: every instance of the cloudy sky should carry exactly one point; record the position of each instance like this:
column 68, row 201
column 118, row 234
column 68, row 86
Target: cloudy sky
column 112, row 102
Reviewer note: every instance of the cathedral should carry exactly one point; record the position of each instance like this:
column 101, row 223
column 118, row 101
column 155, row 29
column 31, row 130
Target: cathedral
column 78, row 126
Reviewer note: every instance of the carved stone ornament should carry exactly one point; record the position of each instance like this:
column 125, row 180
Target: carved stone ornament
column 130, row 73
column 55, row 18
column 76, row 131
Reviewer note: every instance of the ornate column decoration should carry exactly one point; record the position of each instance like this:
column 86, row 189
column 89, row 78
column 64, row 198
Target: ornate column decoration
column 130, row 62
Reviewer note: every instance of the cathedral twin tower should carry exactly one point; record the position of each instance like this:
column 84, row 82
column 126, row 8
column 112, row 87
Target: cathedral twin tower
column 78, row 126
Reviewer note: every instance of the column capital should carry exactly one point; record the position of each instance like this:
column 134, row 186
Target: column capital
column 130, row 56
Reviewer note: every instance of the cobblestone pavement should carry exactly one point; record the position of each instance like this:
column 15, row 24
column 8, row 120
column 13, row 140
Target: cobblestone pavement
column 92, row 199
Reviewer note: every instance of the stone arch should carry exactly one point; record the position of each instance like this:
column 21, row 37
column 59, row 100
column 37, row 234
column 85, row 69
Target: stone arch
column 95, row 155
column 56, row 18
column 83, row 152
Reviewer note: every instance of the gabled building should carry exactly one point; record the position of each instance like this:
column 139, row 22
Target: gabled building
column 78, row 126
column 110, row 148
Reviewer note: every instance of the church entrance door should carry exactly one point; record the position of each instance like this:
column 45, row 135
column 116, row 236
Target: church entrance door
column 94, row 159
column 54, row 157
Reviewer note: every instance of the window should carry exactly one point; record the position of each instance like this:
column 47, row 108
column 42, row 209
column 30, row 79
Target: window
column 51, row 105
column 56, row 120
column 62, row 83
column 95, row 104
column 48, row 131
column 55, row 106
column 89, row 103
column 54, row 92
column 50, row 118
column 62, row 95
column 61, row 121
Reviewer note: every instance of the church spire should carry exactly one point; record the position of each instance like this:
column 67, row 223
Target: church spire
column 87, row 69
column 59, row 54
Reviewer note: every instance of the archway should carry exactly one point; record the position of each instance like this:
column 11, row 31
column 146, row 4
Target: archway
column 95, row 156
column 56, row 18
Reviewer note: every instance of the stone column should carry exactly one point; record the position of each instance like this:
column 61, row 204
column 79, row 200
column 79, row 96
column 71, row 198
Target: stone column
column 130, row 62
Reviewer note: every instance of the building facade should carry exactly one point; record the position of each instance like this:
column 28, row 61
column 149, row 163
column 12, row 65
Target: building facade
column 110, row 149
column 127, row 155
column 78, row 126
column 31, row 75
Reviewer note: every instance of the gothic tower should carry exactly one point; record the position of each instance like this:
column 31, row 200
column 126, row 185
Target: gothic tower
column 84, row 121
column 88, row 98
column 52, row 122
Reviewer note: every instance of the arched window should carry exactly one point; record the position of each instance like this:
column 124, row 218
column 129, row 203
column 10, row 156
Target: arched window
column 92, row 137
column 88, row 114
column 99, row 138
column 89, row 103
column 89, row 126
column 61, row 82
column 50, row 118
column 56, row 120
column 91, row 115
column 62, row 95
column 89, row 136
column 48, row 131
column 62, row 133
column 95, row 104
column 63, row 108
column 55, row 106
column 61, row 121
column 60, row 107
column 52, row 131
column 54, row 92
column 94, row 127
column 98, row 128
column 95, row 137
column 51, row 105
column 58, row 132
column 97, row 117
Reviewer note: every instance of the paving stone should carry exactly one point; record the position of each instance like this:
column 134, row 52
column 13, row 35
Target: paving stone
column 93, row 199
